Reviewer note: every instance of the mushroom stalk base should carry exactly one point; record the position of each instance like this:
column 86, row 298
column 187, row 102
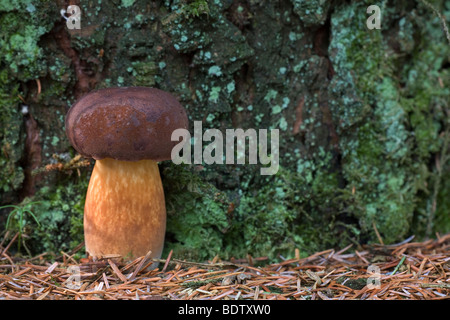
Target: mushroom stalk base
column 125, row 212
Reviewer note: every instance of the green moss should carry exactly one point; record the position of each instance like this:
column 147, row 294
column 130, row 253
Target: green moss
column 191, row 9
column 197, row 214
column 21, row 59
column 19, row 49
column 442, row 222
column 127, row 3
column 196, row 8
column 60, row 213
column 11, row 140
column 293, row 218
column 395, row 125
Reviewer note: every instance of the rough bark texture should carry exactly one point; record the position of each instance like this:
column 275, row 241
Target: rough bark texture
column 363, row 117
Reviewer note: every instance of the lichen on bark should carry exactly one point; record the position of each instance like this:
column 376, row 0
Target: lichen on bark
column 361, row 113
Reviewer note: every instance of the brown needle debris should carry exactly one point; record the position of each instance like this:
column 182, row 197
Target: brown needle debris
column 408, row 270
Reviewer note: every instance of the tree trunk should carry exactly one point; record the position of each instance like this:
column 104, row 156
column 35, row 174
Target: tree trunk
column 362, row 116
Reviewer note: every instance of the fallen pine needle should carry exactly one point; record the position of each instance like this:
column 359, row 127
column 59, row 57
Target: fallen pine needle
column 399, row 264
column 422, row 273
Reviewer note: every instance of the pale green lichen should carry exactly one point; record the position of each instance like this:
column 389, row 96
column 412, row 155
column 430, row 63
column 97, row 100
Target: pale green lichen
column 377, row 160
column 127, row 3
column 215, row 71
column 21, row 60
column 311, row 12
column 214, row 94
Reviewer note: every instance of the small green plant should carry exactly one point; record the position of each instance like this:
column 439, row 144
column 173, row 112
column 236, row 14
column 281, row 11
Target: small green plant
column 16, row 221
column 196, row 8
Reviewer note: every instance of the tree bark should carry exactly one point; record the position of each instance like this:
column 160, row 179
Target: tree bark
column 362, row 115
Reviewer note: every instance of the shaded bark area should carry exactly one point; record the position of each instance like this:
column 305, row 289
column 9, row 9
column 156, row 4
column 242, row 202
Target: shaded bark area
column 33, row 157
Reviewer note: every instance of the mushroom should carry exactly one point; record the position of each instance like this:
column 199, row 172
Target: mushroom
column 127, row 131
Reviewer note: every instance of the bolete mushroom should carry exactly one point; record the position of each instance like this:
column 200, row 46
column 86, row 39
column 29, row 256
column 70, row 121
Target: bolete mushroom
column 127, row 131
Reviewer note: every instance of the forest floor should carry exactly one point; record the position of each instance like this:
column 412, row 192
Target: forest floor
column 407, row 270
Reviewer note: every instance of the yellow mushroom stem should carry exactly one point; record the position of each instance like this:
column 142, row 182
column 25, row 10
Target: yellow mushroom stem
column 125, row 212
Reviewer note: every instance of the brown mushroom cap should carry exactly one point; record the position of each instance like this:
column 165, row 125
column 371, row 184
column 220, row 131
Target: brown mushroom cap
column 127, row 123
